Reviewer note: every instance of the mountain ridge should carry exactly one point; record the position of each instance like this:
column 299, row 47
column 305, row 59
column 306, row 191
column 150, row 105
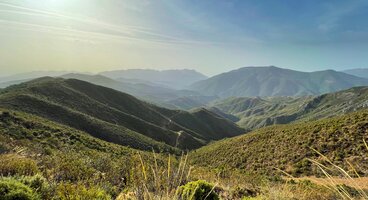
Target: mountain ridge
column 274, row 81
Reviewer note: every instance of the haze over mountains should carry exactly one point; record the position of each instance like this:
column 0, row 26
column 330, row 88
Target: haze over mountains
column 187, row 89
column 177, row 79
column 359, row 72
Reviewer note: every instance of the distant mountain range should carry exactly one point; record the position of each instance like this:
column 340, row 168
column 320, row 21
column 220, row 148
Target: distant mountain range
column 152, row 93
column 257, row 112
column 359, row 72
column 169, row 88
column 115, row 116
column 177, row 79
column 274, row 81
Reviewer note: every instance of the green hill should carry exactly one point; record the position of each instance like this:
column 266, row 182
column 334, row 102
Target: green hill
column 287, row 147
column 274, row 81
column 113, row 116
column 256, row 112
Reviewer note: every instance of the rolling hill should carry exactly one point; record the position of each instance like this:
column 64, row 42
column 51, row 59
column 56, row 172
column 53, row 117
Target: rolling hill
column 256, row 112
column 114, row 116
column 274, row 81
column 287, row 147
column 176, row 79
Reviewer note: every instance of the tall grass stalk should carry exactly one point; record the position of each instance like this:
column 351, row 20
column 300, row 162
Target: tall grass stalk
column 341, row 190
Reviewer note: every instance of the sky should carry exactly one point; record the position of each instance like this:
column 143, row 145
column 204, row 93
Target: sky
column 210, row 36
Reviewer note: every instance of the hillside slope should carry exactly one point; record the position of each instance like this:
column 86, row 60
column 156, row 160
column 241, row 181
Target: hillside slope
column 256, row 112
column 287, row 147
column 107, row 113
column 273, row 81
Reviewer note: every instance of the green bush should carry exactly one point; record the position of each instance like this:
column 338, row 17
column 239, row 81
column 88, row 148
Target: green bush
column 12, row 164
column 11, row 189
column 73, row 167
column 197, row 190
column 78, row 191
column 38, row 184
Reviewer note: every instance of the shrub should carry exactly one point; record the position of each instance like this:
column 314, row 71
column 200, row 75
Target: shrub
column 38, row 184
column 79, row 191
column 11, row 189
column 197, row 190
column 12, row 164
column 72, row 167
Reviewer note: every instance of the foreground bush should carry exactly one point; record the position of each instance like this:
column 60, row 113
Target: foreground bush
column 12, row 164
column 11, row 189
column 197, row 190
column 79, row 191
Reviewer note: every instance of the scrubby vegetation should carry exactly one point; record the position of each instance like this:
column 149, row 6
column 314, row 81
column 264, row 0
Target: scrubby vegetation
column 197, row 190
column 44, row 160
column 288, row 147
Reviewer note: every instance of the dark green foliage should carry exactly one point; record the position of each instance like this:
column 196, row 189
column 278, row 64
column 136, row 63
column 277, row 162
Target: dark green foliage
column 197, row 190
column 11, row 189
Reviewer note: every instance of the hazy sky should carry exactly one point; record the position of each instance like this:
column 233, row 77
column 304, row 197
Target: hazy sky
column 210, row 36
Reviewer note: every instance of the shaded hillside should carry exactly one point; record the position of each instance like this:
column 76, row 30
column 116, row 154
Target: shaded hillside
column 258, row 112
column 39, row 135
column 177, row 79
column 108, row 114
column 273, row 81
column 287, row 147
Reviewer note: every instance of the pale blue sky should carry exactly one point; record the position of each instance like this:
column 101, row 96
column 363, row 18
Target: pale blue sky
column 211, row 36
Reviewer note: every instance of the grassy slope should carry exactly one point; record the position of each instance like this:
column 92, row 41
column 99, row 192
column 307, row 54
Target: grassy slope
column 258, row 112
column 287, row 146
column 105, row 113
column 43, row 137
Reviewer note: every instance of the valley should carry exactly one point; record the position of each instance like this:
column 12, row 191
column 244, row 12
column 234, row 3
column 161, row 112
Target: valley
column 92, row 117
